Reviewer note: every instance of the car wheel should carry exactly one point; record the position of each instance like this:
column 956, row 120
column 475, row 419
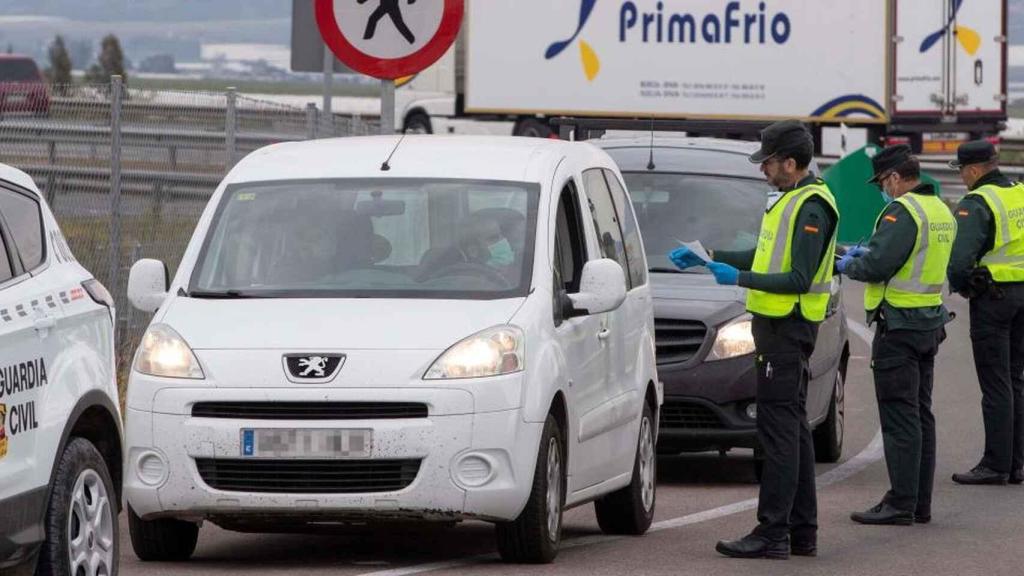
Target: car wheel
column 162, row 540
column 533, row 537
column 630, row 510
column 418, row 123
column 81, row 517
column 828, row 436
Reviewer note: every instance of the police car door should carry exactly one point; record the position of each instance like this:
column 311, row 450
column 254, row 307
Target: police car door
column 28, row 319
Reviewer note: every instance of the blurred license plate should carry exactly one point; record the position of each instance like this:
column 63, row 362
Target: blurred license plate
column 306, row 443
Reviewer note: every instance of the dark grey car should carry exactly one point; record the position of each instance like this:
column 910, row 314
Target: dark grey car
column 706, row 189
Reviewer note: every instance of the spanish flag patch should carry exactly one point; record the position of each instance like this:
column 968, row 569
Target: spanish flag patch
column 962, row 212
column 889, row 218
column 811, row 229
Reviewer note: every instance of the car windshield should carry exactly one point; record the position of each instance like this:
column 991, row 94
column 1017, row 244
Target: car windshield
column 724, row 213
column 393, row 238
column 18, row 70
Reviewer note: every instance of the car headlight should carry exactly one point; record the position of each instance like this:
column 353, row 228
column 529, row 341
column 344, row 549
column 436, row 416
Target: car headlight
column 734, row 339
column 164, row 353
column 493, row 352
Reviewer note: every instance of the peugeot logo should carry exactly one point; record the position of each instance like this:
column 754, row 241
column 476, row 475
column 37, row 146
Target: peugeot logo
column 312, row 368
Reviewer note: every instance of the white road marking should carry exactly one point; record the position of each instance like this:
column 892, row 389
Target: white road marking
column 871, row 453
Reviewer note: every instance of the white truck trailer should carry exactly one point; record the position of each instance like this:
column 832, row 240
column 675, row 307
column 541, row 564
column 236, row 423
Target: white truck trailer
column 930, row 73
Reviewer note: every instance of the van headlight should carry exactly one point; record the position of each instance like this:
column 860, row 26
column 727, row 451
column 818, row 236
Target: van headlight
column 165, row 353
column 493, row 352
column 734, row 339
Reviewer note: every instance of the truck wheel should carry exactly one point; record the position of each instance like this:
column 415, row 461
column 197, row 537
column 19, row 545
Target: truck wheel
column 81, row 517
column 418, row 123
column 828, row 436
column 533, row 537
column 162, row 540
column 630, row 510
column 532, row 128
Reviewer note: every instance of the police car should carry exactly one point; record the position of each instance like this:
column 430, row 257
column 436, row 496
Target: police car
column 464, row 331
column 60, row 421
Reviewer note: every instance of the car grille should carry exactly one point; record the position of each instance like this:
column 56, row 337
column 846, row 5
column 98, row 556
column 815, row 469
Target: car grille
column 676, row 341
column 308, row 476
column 310, row 410
column 688, row 415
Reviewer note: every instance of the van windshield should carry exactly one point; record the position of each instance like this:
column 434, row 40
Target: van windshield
column 724, row 213
column 393, row 238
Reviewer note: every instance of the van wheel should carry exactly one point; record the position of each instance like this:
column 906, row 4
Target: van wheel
column 533, row 537
column 828, row 436
column 81, row 517
column 162, row 540
column 630, row 510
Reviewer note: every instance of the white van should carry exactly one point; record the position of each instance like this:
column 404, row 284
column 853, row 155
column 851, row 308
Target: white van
column 367, row 329
column 60, row 419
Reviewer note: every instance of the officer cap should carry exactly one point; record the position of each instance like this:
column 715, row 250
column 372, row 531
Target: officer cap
column 976, row 152
column 887, row 159
column 784, row 136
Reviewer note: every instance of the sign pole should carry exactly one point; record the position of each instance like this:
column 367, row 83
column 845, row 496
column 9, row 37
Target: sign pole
column 328, row 83
column 387, row 107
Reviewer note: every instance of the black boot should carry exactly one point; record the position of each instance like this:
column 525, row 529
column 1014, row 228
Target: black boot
column 884, row 514
column 754, row 546
column 981, row 475
column 803, row 547
column 1016, row 477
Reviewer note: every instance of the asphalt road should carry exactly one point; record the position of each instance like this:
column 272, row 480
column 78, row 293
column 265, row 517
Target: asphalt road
column 701, row 499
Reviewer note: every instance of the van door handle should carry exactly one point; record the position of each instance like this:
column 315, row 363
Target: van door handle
column 44, row 323
column 604, row 334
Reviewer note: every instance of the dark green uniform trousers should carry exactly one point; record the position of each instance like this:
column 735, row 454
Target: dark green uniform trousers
column 788, row 501
column 903, row 362
column 997, row 335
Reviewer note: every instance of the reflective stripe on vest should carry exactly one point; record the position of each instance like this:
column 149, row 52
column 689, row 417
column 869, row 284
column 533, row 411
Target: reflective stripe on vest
column 774, row 256
column 919, row 282
column 1006, row 260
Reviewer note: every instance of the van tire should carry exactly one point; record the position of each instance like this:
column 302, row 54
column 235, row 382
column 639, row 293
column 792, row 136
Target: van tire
column 80, row 462
column 630, row 510
column 529, row 539
column 162, row 540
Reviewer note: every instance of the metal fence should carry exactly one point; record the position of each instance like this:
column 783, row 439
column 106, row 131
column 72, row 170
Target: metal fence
column 128, row 172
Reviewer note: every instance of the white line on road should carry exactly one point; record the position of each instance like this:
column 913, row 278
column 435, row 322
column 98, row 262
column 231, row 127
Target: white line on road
column 869, row 455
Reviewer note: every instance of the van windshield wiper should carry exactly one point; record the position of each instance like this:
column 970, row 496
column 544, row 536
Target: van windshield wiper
column 221, row 294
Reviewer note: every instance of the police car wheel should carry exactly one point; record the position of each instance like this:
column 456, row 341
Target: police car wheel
column 162, row 540
column 828, row 436
column 630, row 510
column 533, row 537
column 81, row 517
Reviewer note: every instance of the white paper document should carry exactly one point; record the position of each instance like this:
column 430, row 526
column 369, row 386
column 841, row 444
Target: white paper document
column 697, row 248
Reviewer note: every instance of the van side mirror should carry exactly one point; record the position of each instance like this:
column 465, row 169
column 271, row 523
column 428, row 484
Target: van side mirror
column 602, row 289
column 148, row 284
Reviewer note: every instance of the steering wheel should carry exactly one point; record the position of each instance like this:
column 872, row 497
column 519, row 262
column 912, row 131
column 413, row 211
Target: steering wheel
column 480, row 269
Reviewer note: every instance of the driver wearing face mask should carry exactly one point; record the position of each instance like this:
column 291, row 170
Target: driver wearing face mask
column 484, row 243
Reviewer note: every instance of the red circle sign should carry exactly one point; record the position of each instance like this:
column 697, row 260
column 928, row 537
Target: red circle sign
column 387, row 19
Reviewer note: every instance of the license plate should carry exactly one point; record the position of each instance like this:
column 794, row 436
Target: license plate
column 326, row 444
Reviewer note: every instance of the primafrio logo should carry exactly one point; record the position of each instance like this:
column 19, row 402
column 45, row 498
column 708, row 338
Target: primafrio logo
column 312, row 368
column 591, row 63
column 968, row 38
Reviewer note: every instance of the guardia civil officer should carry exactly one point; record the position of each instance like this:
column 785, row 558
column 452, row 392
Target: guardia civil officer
column 987, row 266
column 904, row 265
column 788, row 279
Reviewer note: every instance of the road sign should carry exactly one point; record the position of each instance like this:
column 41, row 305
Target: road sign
column 389, row 39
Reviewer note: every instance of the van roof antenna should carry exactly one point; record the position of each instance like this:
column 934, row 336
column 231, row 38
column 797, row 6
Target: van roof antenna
column 650, row 159
column 387, row 163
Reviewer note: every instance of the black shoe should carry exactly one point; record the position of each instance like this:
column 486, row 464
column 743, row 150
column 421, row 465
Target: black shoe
column 884, row 514
column 1016, row 477
column 981, row 475
column 754, row 546
column 803, row 547
column 922, row 518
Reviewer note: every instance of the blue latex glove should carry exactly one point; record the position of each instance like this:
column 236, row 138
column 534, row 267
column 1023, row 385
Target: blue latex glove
column 724, row 274
column 857, row 251
column 684, row 258
column 845, row 261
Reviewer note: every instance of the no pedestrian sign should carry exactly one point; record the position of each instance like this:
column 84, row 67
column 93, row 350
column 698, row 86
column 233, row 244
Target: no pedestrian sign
column 389, row 39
